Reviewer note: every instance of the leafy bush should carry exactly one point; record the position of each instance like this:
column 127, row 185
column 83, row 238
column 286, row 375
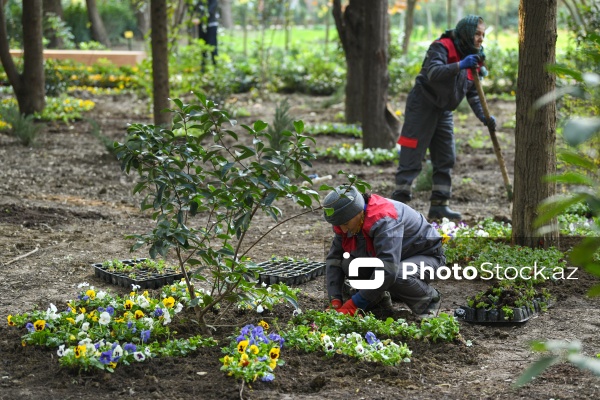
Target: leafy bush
column 203, row 197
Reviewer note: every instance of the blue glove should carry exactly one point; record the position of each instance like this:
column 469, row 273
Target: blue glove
column 491, row 123
column 470, row 61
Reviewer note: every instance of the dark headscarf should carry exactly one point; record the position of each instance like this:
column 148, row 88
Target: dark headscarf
column 463, row 36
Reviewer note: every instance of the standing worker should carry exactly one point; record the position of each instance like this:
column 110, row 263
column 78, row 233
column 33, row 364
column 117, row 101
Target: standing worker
column 445, row 79
column 207, row 25
column 373, row 226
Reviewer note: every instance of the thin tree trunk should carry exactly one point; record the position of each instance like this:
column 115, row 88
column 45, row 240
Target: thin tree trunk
column 160, row 61
column 142, row 16
column 376, row 131
column 350, row 27
column 53, row 7
column 29, row 86
column 408, row 24
column 535, row 135
column 226, row 14
column 97, row 28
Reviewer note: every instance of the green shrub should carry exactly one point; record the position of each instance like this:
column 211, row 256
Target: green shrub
column 20, row 126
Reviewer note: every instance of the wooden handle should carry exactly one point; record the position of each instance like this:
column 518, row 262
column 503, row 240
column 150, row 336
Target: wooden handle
column 486, row 113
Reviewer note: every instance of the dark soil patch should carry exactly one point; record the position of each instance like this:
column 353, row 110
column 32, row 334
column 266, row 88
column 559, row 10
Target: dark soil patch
column 68, row 198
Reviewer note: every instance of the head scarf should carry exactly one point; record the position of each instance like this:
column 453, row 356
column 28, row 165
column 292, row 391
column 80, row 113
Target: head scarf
column 463, row 36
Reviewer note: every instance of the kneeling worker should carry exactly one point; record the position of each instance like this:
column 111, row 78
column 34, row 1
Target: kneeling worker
column 368, row 225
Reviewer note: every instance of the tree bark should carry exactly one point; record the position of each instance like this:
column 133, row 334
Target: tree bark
column 535, row 135
column 408, row 24
column 29, row 86
column 160, row 61
column 53, row 7
column 226, row 14
column 97, row 28
column 350, row 27
column 376, row 131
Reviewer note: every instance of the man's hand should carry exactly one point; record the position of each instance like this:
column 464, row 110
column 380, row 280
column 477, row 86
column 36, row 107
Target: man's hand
column 470, row 61
column 336, row 304
column 491, row 123
column 348, row 308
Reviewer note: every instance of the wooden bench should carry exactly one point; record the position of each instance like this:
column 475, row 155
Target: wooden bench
column 91, row 57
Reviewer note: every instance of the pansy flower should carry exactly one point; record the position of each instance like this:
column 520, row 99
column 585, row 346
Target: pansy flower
column 145, row 335
column 274, row 353
column 39, row 325
column 254, row 349
column 80, row 351
column 264, row 324
column 244, row 361
column 10, row 321
column 104, row 318
column 139, row 356
column 268, row 377
column 30, row 327
column 241, row 346
column 106, row 357
column 128, row 304
column 169, row 302
column 139, row 314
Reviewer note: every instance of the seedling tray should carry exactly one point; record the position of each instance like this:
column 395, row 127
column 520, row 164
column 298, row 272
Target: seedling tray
column 290, row 272
column 483, row 316
column 143, row 278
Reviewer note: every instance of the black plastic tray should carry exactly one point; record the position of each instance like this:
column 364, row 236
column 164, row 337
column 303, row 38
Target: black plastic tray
column 482, row 316
column 290, row 272
column 144, row 279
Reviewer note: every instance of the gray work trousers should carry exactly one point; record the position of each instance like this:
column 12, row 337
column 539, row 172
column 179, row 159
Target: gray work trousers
column 426, row 127
column 416, row 293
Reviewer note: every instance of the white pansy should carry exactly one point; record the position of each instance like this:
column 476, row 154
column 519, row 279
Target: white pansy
column 178, row 308
column 143, row 302
column 259, row 309
column 149, row 322
column 104, row 318
column 135, row 287
column 61, row 350
column 147, row 352
column 118, row 351
column 85, row 326
column 101, row 295
column 51, row 312
column 359, row 349
column 79, row 318
column 166, row 317
column 139, row 356
column 82, row 285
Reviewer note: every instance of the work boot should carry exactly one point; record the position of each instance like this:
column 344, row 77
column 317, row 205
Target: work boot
column 385, row 302
column 439, row 209
column 433, row 308
column 400, row 196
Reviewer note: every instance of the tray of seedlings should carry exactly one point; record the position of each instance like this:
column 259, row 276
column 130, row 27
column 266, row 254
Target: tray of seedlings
column 290, row 272
column 504, row 303
column 143, row 272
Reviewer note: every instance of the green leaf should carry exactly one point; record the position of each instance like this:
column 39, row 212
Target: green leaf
column 535, row 369
column 573, row 178
column 260, row 125
column 299, row 126
column 578, row 160
column 578, row 130
column 554, row 206
column 585, row 363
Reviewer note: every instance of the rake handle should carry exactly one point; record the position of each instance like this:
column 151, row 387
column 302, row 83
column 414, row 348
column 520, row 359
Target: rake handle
column 497, row 150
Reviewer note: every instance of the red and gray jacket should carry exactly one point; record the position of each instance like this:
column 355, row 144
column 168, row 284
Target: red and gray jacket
column 392, row 232
column 443, row 83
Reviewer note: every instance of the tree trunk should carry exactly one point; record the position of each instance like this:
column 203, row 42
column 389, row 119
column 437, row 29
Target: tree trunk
column 226, row 14
column 408, row 24
column 350, row 27
column 97, row 28
column 376, row 131
column 29, row 86
column 535, row 135
column 142, row 16
column 53, row 7
column 160, row 61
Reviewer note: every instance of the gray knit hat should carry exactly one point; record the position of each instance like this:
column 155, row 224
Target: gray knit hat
column 346, row 203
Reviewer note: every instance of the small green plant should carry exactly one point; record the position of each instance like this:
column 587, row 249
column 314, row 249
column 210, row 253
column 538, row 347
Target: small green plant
column 23, row 127
column 282, row 122
column 354, row 153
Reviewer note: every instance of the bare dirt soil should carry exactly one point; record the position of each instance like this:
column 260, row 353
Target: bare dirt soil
column 65, row 204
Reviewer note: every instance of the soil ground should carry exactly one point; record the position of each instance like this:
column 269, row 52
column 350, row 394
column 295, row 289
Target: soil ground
column 67, row 200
